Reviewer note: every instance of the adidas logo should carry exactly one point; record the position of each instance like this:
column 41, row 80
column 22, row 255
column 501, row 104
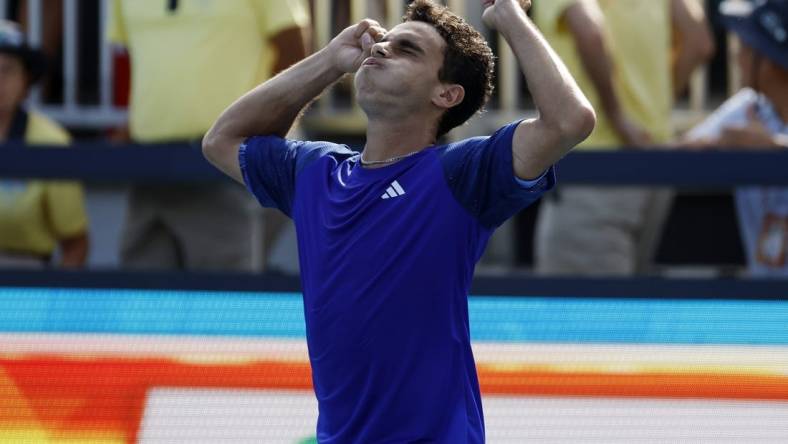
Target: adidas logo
column 395, row 190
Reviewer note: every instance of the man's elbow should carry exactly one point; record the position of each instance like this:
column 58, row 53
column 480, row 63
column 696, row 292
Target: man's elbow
column 211, row 147
column 587, row 122
column 577, row 127
column 207, row 147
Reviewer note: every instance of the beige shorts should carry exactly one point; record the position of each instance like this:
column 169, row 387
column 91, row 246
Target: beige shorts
column 596, row 231
column 195, row 227
column 21, row 261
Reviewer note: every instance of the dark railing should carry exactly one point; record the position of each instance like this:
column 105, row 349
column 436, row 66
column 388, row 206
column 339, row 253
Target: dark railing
column 631, row 288
column 104, row 163
column 100, row 162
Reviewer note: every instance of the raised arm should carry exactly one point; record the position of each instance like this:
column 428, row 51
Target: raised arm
column 565, row 116
column 273, row 107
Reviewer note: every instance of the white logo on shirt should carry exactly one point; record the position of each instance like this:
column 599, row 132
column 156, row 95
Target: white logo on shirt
column 395, row 190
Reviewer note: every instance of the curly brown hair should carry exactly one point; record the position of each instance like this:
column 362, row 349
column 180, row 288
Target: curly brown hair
column 467, row 60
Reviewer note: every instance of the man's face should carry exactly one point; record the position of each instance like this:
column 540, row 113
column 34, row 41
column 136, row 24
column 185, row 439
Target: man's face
column 13, row 82
column 403, row 68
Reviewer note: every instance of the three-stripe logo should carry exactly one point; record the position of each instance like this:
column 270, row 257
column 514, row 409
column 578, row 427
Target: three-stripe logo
column 395, row 190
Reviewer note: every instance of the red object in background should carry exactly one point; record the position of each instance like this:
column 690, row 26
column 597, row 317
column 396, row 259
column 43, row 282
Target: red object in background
column 122, row 80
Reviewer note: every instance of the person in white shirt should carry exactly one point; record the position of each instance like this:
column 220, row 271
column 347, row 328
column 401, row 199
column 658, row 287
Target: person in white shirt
column 757, row 117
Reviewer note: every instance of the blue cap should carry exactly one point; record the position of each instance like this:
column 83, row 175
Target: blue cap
column 761, row 24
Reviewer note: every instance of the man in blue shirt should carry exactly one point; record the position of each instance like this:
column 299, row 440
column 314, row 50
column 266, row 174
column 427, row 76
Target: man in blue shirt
column 388, row 239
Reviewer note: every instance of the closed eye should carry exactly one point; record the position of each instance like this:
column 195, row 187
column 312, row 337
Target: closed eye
column 409, row 47
column 406, row 46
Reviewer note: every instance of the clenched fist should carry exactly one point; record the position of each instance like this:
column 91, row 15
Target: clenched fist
column 495, row 10
column 354, row 44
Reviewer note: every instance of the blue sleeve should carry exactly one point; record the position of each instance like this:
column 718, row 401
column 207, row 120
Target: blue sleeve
column 269, row 165
column 480, row 174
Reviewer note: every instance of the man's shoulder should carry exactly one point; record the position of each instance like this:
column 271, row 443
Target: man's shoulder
column 320, row 148
column 460, row 145
column 309, row 152
column 501, row 134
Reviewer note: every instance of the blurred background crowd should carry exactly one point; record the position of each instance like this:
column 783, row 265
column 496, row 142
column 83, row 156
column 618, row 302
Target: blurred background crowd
column 662, row 74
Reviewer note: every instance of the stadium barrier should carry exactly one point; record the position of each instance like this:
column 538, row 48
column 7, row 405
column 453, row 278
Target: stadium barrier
column 102, row 162
column 513, row 286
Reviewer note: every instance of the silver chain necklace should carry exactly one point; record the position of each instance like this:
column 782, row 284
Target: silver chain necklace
column 380, row 162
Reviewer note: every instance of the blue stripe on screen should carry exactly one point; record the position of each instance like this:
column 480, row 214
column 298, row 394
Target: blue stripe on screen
column 499, row 319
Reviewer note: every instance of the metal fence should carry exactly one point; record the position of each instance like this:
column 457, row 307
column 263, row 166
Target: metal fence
column 70, row 110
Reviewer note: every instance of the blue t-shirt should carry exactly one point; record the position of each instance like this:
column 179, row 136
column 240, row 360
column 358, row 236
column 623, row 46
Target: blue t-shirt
column 387, row 257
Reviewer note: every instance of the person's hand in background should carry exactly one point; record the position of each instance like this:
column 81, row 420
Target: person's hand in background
column 753, row 135
column 632, row 134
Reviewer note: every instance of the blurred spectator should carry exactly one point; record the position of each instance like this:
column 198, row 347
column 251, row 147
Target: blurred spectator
column 190, row 59
column 35, row 216
column 757, row 118
column 630, row 57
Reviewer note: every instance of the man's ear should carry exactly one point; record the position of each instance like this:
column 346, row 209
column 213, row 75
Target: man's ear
column 448, row 95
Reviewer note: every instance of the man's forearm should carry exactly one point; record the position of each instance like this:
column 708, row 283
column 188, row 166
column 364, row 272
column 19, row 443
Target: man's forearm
column 273, row 107
column 556, row 95
column 269, row 109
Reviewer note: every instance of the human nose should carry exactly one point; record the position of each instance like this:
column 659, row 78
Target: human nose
column 380, row 50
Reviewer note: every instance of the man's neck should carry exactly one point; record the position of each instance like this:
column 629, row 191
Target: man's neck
column 389, row 138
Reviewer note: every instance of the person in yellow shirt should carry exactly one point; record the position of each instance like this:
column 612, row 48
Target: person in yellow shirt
column 191, row 59
column 36, row 217
column 630, row 57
